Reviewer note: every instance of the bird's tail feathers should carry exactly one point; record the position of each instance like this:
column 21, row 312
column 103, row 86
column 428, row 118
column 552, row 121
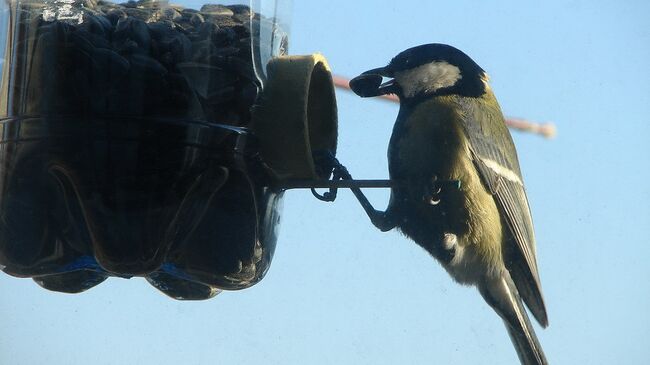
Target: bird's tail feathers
column 503, row 297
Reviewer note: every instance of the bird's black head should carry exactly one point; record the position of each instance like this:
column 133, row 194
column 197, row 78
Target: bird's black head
column 422, row 71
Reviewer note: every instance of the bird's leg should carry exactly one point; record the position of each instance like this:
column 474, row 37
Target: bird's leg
column 383, row 220
column 325, row 160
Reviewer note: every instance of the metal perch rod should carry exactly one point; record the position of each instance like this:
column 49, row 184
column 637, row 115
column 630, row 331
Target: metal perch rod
column 547, row 130
column 338, row 184
column 348, row 184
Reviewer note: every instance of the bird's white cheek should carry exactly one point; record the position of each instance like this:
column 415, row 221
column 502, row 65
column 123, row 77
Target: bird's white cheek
column 428, row 78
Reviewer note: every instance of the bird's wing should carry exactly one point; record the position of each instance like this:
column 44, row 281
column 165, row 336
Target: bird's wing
column 500, row 172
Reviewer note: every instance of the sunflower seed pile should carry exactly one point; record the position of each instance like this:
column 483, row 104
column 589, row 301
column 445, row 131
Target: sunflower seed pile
column 141, row 59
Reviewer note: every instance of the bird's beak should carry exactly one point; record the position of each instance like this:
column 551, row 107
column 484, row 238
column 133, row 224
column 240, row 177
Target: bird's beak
column 369, row 83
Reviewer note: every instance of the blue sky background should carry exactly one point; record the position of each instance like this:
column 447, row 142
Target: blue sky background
column 339, row 291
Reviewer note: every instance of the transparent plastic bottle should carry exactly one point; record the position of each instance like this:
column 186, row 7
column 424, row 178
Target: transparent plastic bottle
column 124, row 142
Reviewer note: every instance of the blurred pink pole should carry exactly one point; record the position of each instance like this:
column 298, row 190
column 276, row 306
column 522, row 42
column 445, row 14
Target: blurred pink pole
column 545, row 129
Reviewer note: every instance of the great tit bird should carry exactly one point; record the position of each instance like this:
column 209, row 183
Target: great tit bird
column 458, row 189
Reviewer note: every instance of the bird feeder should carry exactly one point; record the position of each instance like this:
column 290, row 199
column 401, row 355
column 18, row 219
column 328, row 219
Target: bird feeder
column 151, row 139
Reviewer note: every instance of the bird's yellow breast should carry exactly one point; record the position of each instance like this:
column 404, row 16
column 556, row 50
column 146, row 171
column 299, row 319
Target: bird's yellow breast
column 428, row 142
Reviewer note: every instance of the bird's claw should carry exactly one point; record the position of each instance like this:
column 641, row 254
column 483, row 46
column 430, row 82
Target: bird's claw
column 435, row 189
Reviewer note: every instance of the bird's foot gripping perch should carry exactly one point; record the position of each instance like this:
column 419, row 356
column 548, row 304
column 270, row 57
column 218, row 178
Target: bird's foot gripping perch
column 382, row 220
column 433, row 195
